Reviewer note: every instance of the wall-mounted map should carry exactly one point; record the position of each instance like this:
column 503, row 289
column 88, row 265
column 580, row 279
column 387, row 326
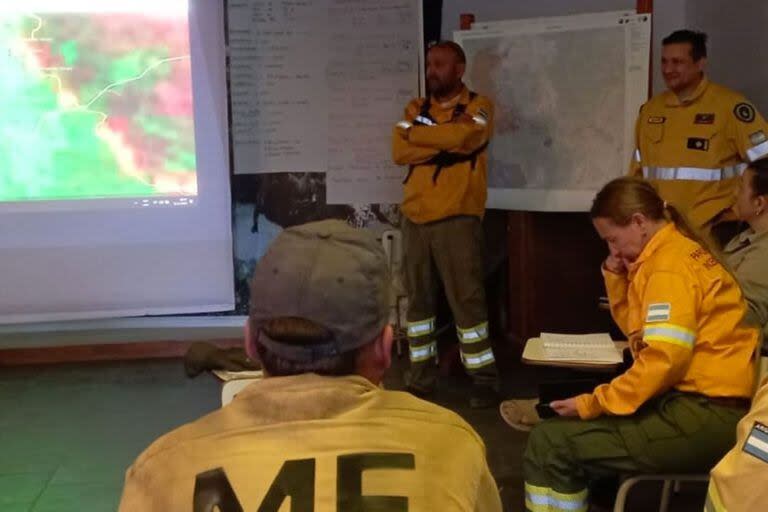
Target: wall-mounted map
column 566, row 92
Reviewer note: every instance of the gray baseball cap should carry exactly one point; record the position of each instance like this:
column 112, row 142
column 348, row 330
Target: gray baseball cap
column 327, row 272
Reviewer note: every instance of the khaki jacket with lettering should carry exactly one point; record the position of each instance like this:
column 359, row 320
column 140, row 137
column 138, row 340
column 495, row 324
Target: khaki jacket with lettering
column 328, row 442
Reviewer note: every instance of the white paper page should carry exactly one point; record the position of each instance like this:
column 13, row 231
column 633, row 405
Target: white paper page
column 593, row 348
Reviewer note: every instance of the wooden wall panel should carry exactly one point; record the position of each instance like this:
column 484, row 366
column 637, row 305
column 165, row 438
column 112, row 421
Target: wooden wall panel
column 554, row 280
column 103, row 352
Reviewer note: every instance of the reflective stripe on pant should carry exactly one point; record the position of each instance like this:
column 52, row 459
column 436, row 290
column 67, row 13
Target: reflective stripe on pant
column 423, row 346
column 422, row 353
column 674, row 433
column 449, row 251
column 476, row 352
column 544, row 499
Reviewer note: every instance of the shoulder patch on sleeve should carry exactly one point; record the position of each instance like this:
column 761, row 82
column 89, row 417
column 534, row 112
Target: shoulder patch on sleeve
column 744, row 112
column 757, row 442
column 658, row 312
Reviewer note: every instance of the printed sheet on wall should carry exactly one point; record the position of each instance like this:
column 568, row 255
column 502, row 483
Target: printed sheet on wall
column 566, row 91
column 316, row 87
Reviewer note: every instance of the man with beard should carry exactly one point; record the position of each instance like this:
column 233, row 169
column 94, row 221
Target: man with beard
column 443, row 140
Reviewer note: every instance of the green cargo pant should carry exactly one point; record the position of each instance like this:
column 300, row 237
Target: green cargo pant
column 447, row 251
column 673, row 433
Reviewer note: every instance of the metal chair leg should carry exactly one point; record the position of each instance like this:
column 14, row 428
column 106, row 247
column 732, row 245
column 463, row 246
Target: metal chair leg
column 671, row 482
column 621, row 495
column 666, row 493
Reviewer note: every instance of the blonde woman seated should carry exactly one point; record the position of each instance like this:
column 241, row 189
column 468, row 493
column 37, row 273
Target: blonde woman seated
column 747, row 253
column 676, row 408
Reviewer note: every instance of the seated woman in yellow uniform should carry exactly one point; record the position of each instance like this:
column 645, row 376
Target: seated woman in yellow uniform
column 676, row 408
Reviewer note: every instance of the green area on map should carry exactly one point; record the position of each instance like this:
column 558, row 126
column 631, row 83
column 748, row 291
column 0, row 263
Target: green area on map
column 95, row 106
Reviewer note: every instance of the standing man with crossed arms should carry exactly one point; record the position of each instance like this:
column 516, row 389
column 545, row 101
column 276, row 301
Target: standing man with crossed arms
column 443, row 139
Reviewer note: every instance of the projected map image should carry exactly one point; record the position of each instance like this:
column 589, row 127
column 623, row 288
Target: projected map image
column 95, row 103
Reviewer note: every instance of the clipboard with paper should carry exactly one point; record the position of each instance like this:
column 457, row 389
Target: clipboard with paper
column 594, row 350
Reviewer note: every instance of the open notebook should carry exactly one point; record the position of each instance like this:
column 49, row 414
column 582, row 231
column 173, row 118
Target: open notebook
column 583, row 348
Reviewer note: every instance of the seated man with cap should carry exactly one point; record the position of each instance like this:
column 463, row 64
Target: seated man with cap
column 318, row 431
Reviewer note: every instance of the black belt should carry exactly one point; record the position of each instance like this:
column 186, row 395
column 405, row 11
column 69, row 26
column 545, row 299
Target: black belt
column 730, row 401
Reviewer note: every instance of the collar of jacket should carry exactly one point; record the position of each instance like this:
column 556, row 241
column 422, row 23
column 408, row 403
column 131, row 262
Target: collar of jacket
column 673, row 101
column 305, row 397
column 653, row 245
column 746, row 237
column 462, row 97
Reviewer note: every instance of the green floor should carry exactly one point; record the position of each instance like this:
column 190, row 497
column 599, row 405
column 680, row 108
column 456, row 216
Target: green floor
column 67, row 433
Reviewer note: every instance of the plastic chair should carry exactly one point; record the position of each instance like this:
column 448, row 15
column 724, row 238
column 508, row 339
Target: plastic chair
column 392, row 241
column 231, row 388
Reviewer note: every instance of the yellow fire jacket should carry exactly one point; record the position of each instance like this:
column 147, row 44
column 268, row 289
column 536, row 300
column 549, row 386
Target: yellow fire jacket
column 735, row 483
column 328, row 443
column 694, row 151
column 461, row 187
column 684, row 311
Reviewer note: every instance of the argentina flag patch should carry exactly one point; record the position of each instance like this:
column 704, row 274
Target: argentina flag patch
column 757, row 442
column 658, row 312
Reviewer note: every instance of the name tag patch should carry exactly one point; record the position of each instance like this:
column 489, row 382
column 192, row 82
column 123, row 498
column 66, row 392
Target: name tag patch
column 658, row 312
column 698, row 144
column 757, row 442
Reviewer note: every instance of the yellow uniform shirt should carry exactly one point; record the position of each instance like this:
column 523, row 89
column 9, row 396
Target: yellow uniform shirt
column 693, row 151
column 460, row 189
column 739, row 482
column 330, row 443
column 682, row 311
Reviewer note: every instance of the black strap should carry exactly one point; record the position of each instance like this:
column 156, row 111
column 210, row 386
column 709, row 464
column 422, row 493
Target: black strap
column 410, row 171
column 460, row 108
column 426, row 106
column 445, row 158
